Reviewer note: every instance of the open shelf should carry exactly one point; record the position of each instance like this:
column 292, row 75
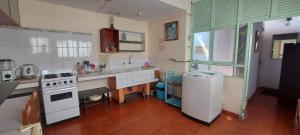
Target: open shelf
column 131, row 42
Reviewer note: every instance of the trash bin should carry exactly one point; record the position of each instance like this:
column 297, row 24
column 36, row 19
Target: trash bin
column 160, row 90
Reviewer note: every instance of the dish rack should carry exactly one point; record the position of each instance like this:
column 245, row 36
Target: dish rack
column 173, row 81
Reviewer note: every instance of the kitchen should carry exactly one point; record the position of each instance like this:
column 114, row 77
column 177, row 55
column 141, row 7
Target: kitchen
column 65, row 40
column 45, row 49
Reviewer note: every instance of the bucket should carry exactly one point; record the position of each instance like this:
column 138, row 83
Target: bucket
column 160, row 90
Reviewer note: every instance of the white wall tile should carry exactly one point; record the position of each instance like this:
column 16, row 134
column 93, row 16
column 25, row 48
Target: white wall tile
column 42, row 47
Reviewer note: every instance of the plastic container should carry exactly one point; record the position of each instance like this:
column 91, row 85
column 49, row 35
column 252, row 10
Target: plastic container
column 160, row 90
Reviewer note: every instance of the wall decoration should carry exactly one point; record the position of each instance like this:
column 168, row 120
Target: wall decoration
column 171, row 31
column 257, row 41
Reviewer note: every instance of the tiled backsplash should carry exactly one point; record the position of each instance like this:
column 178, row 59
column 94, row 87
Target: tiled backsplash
column 135, row 63
column 49, row 50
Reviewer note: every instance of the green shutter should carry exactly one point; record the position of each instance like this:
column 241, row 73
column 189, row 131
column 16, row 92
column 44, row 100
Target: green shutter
column 201, row 14
column 253, row 10
column 224, row 13
column 285, row 8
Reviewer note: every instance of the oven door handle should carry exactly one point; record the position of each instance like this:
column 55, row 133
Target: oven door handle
column 47, row 92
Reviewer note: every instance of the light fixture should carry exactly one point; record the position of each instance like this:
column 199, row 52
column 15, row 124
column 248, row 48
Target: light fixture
column 139, row 13
column 288, row 21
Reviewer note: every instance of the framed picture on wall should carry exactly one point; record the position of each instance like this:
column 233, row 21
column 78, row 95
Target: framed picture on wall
column 257, row 41
column 171, row 31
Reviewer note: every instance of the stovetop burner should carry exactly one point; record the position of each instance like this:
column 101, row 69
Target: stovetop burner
column 50, row 76
column 66, row 74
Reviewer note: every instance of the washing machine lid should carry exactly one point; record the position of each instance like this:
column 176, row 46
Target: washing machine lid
column 202, row 74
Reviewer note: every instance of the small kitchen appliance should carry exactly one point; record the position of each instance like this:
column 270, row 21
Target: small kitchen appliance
column 60, row 95
column 28, row 71
column 6, row 67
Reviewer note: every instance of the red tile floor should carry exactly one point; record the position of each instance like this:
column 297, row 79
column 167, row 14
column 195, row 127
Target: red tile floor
column 152, row 116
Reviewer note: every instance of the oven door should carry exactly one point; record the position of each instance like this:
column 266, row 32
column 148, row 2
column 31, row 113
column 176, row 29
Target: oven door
column 60, row 99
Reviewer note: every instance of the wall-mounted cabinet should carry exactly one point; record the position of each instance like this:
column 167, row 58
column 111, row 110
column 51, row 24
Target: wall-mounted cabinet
column 9, row 12
column 132, row 41
column 109, row 40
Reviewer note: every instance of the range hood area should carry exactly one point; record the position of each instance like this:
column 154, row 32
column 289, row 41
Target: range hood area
column 9, row 13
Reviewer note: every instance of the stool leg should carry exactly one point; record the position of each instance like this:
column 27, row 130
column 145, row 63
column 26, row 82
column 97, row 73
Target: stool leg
column 108, row 99
column 83, row 106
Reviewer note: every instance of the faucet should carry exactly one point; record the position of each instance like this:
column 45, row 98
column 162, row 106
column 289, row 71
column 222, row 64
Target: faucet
column 129, row 59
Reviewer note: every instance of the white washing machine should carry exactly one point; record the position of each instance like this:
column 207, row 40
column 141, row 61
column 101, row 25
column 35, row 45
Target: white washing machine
column 202, row 95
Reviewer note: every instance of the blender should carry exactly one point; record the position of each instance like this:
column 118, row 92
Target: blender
column 6, row 68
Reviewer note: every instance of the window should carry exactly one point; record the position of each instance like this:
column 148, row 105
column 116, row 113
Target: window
column 201, row 46
column 200, row 67
column 242, row 45
column 226, row 70
column 223, row 45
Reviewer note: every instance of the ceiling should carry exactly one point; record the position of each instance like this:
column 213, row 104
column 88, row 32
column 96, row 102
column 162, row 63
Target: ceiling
column 148, row 9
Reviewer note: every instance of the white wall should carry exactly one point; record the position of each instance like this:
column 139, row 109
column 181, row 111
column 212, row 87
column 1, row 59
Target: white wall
column 254, row 60
column 38, row 14
column 232, row 94
column 164, row 50
column 270, row 71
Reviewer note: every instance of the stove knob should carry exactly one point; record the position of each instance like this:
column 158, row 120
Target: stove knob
column 54, row 83
column 65, row 82
column 60, row 83
column 48, row 84
column 71, row 81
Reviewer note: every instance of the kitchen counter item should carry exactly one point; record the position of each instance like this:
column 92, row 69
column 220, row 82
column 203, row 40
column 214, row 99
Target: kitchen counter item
column 95, row 97
column 6, row 88
column 6, row 67
column 6, row 64
column 29, row 71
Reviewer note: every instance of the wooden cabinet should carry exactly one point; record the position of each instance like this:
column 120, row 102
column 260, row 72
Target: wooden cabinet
column 109, row 40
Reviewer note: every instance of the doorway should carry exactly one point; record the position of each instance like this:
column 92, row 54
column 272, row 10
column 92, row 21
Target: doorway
column 265, row 63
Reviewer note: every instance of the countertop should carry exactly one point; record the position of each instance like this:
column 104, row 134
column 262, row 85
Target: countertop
column 31, row 83
column 6, row 88
column 106, row 74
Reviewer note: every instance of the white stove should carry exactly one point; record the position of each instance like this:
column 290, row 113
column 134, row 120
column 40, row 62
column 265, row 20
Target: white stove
column 60, row 95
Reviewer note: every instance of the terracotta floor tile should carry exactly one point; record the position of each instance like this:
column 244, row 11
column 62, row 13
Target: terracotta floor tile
column 103, row 127
column 138, row 128
column 152, row 116
column 176, row 128
column 118, row 132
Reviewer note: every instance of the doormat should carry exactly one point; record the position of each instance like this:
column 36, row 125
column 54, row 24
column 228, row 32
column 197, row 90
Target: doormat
column 269, row 92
